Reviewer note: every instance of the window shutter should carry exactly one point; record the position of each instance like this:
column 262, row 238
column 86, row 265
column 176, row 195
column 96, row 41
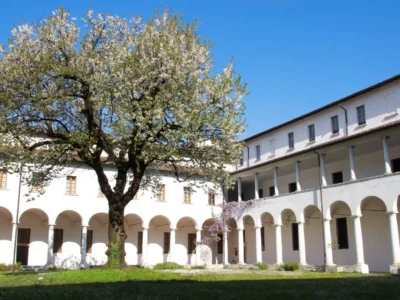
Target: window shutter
column 262, row 239
column 295, row 236
column 161, row 192
column 211, row 198
column 89, row 241
column 220, row 244
column 3, row 179
column 341, row 230
column 58, row 240
column 140, row 242
column 167, row 237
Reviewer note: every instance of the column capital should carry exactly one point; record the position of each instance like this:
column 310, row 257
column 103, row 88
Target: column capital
column 239, row 229
column 352, row 146
column 173, row 229
column 301, row 222
column 277, row 225
column 145, row 228
column 323, row 154
column 197, row 230
column 327, row 219
column 391, row 212
column 15, row 223
column 256, row 173
column 276, row 168
column 356, row 216
column 85, row 225
column 52, row 225
column 298, row 161
column 385, row 137
column 257, row 227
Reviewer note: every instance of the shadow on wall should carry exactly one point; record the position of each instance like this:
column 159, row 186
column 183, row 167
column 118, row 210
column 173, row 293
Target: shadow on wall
column 333, row 288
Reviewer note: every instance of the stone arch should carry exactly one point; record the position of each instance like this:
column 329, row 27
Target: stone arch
column 187, row 219
column 69, row 223
column 313, row 234
column 269, row 250
column 288, row 218
column 338, row 207
column 232, row 240
column 376, row 234
column 6, row 247
column 98, row 224
column 288, row 215
column 158, row 246
column 134, row 225
column 35, row 221
column 249, row 239
column 209, row 250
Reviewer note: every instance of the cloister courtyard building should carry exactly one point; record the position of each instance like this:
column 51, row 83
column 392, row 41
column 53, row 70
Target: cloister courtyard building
column 324, row 191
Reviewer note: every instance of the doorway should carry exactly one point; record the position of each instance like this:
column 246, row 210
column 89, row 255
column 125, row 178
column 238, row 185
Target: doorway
column 24, row 238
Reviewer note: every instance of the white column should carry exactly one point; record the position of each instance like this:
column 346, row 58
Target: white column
column 278, row 243
column 144, row 246
column 386, row 156
column 256, row 187
column 83, row 246
column 328, row 242
column 198, row 247
column 302, row 244
column 225, row 250
column 172, row 245
column 240, row 246
column 258, row 244
column 352, row 167
column 276, row 181
column 394, row 237
column 14, row 239
column 50, row 243
column 361, row 266
column 322, row 167
column 239, row 189
column 298, row 185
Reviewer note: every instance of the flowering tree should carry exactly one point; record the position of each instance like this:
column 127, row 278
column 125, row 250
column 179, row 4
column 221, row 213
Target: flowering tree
column 139, row 96
column 228, row 210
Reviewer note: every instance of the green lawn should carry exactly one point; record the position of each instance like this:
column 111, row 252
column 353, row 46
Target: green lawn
column 232, row 284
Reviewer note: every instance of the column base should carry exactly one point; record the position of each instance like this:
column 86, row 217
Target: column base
column 84, row 266
column 395, row 269
column 334, row 269
column 362, row 268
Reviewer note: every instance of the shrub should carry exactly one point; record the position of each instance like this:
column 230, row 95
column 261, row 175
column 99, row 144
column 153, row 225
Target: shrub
column 167, row 266
column 261, row 266
column 290, row 266
column 4, row 268
column 197, row 268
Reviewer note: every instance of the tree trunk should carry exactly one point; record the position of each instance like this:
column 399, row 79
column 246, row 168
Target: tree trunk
column 116, row 236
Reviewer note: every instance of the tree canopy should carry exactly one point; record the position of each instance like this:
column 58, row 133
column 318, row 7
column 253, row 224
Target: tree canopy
column 110, row 90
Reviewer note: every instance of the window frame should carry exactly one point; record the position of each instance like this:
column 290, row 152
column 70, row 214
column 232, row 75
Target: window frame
column 258, row 152
column 187, row 195
column 167, row 242
column 345, row 237
column 333, row 119
column 140, row 242
column 291, row 140
column 311, row 133
column 161, row 192
column 262, row 238
column 295, row 236
column 220, row 244
column 211, row 197
column 3, row 174
column 335, row 174
column 272, row 191
column 191, row 243
column 290, row 187
column 69, row 190
column 362, row 121
column 58, row 244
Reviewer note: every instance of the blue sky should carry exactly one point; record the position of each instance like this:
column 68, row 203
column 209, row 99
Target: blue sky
column 296, row 55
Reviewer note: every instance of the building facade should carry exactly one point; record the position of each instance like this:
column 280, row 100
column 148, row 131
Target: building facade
column 324, row 190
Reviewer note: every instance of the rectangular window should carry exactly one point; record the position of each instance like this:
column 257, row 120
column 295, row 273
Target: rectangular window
column 187, row 195
column 272, row 147
column 140, row 242
column 311, row 133
column 3, row 179
column 396, row 165
column 258, row 152
column 241, row 160
column 337, row 177
column 292, row 187
column 335, row 124
column 24, row 236
column 295, row 236
column 191, row 243
column 161, row 192
column 89, row 241
column 220, row 244
column 341, row 231
column 260, row 193
column 242, row 195
column 262, row 238
column 71, row 185
column 211, row 198
column 271, row 191
column 167, row 238
column 291, row 140
column 58, row 240
column 361, row 115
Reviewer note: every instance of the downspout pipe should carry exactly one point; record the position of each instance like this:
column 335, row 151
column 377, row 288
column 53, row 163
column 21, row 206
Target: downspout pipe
column 321, row 203
column 345, row 120
column 17, row 215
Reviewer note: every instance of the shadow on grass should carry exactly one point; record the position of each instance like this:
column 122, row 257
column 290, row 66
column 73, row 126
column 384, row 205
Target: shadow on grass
column 387, row 287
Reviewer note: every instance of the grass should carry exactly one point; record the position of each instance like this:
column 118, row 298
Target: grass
column 196, row 284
